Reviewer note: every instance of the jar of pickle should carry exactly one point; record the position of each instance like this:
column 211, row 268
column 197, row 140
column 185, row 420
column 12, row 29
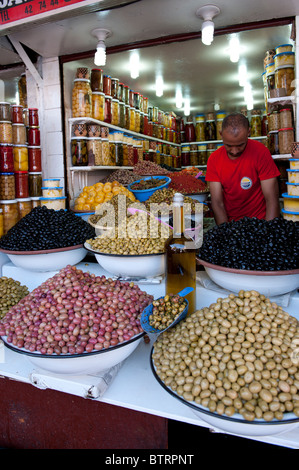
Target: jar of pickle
column 286, row 117
column 10, row 214
column 114, row 87
column 200, row 127
column 122, row 114
column 285, row 78
column 79, row 151
column 137, row 120
column 145, row 124
column 286, row 140
column 98, row 105
column 273, row 143
column 210, row 128
column 19, row 134
column 94, row 151
column 22, row 184
column 107, row 85
column 115, row 112
column 270, row 82
column 202, row 154
column 105, row 152
column 5, row 132
column 274, row 121
column 33, row 117
column 96, row 80
column 34, row 136
column 24, row 207
column 35, row 201
column 255, row 124
column 137, row 100
column 121, row 96
column 17, row 114
column 35, row 183
column 185, row 155
column 5, row 113
column 6, row 158
column 193, row 158
column 125, row 154
column 81, row 98
column 108, row 109
column 21, row 160
column 111, row 153
column 119, row 156
column 7, row 186
column 127, row 116
column 127, row 95
column 34, row 159
column 1, row 223
column 132, row 119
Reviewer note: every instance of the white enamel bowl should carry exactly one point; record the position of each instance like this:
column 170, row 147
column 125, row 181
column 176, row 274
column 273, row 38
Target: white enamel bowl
column 268, row 283
column 130, row 265
column 235, row 424
column 47, row 260
column 80, row 364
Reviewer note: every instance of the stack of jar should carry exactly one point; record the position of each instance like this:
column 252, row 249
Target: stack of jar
column 280, row 130
column 284, row 62
column 162, row 154
column 52, row 192
column 207, row 127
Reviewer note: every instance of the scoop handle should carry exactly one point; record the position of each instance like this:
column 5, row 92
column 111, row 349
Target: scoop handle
column 185, row 291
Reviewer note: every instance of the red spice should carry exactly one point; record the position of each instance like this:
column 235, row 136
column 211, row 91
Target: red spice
column 186, row 184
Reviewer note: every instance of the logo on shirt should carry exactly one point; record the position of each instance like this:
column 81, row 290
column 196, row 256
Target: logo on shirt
column 246, row 182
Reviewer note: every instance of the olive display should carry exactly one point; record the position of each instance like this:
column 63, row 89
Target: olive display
column 11, row 292
column 253, row 244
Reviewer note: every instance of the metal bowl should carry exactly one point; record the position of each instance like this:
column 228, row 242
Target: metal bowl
column 269, row 283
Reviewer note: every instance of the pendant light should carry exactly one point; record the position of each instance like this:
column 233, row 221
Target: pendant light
column 100, row 55
column 207, row 13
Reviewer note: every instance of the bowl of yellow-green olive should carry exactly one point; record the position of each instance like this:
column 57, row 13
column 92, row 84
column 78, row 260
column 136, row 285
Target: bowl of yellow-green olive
column 235, row 364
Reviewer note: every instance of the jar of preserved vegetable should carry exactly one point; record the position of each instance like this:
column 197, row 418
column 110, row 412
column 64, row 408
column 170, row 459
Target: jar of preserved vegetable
column 5, row 132
column 185, row 155
column 273, row 143
column 7, row 186
column 190, row 130
column 1, row 223
column 210, row 128
column 96, row 80
column 122, row 115
column 255, row 124
column 19, row 134
column 125, row 154
column 21, row 160
column 34, row 159
column 24, row 207
column 115, row 112
column 132, row 119
column 33, row 117
column 286, row 140
column 264, row 125
column 114, row 88
column 34, row 136
column 98, row 105
column 81, row 98
column 274, row 121
column 119, row 157
column 127, row 116
column 35, row 183
column 6, row 158
column 202, row 154
column 121, row 96
column 22, row 184
column 94, row 151
column 137, row 120
column 105, row 152
column 17, row 114
column 285, row 78
column 10, row 214
column 5, row 113
column 286, row 117
column 127, row 95
column 200, row 127
column 79, row 151
column 108, row 109
column 107, row 85
column 270, row 83
column 137, row 100
column 35, row 201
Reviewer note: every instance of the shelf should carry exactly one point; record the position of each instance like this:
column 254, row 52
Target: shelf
column 285, row 156
column 121, row 129
column 93, row 168
column 289, row 98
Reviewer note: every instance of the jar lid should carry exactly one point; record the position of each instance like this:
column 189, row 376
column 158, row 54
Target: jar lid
column 57, row 187
column 35, row 173
column 286, row 129
column 51, row 179
column 98, row 70
column 21, row 172
column 4, row 102
column 108, row 97
column 290, row 66
column 32, row 109
column 98, row 93
column 81, row 80
column 9, row 174
column 3, row 122
column 52, row 198
column 34, row 147
column 283, row 45
column 6, row 145
column 24, row 199
column 35, row 198
column 21, row 145
column 16, row 106
column 284, row 53
column 18, row 124
column 285, row 109
column 8, row 201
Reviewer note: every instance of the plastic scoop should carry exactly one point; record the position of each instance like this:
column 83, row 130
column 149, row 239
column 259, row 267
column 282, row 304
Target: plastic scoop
column 144, row 321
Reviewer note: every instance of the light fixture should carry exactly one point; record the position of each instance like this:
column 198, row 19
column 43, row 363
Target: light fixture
column 159, row 86
column 187, row 107
column 234, row 48
column 100, row 55
column 242, row 69
column 134, row 64
column 248, row 97
column 178, row 97
column 207, row 13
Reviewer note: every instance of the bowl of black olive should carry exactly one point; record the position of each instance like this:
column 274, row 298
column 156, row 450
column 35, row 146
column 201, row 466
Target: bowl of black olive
column 253, row 254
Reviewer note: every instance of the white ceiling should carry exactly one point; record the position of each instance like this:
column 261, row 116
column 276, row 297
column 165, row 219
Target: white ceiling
column 203, row 71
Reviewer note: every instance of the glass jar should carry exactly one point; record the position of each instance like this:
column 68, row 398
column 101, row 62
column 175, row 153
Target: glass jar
column 127, row 95
column 94, row 151
column 115, row 112
column 98, row 105
column 137, row 100
column 35, row 183
column 255, row 125
column 33, row 117
column 104, row 132
column 5, row 113
column 137, row 120
column 79, row 151
column 114, row 88
column 105, row 152
column 33, row 136
column 22, row 184
column 210, row 129
column 108, row 109
column 125, row 154
column 5, row 132
column 286, row 140
column 202, row 154
column 127, row 116
column 121, row 96
column 10, row 214
column 93, row 130
column 20, row 155
column 145, row 125
column 34, row 159
column 19, row 134
column 7, row 186
column 145, row 105
column 270, row 83
column 81, row 98
column 107, row 85
column 111, row 153
column 1, row 223
column 194, row 158
column 122, row 115
column 285, row 78
column 274, row 121
column 286, row 117
column 273, row 143
column 6, row 159
column 119, row 156
column 130, row 155
column 96, row 80
column 200, row 127
column 185, row 155
column 17, row 114
column 132, row 119
column 24, row 207
column 35, row 201
column 264, row 125
column 190, row 130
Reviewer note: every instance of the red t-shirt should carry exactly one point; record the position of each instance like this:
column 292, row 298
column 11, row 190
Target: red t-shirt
column 240, row 179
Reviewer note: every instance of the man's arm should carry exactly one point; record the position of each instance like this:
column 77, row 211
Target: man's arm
column 217, row 202
column 271, row 195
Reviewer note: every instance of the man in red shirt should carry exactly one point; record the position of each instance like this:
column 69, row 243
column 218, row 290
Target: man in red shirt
column 242, row 175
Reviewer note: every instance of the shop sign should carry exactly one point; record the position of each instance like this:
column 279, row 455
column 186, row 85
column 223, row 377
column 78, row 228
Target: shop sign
column 15, row 10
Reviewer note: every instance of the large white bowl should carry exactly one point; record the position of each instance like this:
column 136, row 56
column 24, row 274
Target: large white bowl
column 47, row 260
column 235, row 424
column 268, row 283
column 80, row 364
column 130, row 265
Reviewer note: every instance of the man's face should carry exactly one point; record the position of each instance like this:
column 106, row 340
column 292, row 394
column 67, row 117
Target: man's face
column 235, row 142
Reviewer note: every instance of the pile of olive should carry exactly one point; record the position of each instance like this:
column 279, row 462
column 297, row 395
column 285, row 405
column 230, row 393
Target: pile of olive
column 166, row 310
column 253, row 244
column 11, row 292
column 239, row 355
column 148, row 184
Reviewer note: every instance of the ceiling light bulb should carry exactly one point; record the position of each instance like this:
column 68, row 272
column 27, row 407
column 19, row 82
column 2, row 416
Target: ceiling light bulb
column 134, row 64
column 234, row 48
column 159, row 86
column 187, row 107
column 207, row 13
column 207, row 32
column 179, row 98
column 100, row 55
column 242, row 74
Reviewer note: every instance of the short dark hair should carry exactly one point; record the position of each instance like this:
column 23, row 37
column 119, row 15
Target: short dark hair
column 235, row 121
